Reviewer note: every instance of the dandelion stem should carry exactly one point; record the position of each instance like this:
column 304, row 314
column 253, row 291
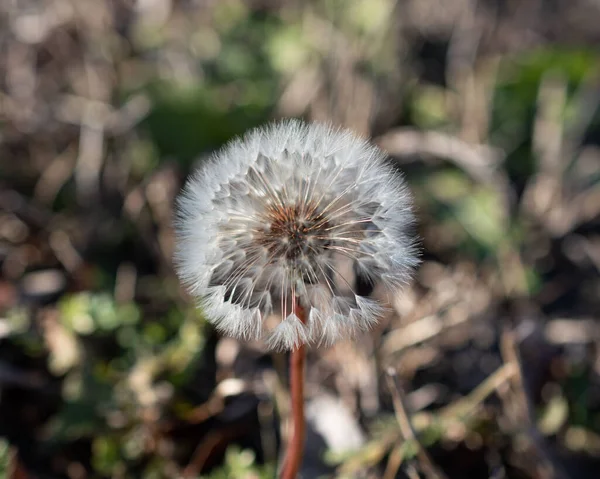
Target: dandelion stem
column 295, row 448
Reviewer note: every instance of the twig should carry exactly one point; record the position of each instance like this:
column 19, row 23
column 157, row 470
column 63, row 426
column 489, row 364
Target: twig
column 466, row 405
column 510, row 353
column 203, row 451
column 406, row 427
column 420, row 331
column 394, row 462
column 369, row 456
column 459, row 410
column 411, row 472
column 479, row 161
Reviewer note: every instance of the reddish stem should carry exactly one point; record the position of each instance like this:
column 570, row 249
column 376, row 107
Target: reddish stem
column 293, row 457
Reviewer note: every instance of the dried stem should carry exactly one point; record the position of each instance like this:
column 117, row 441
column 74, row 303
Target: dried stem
column 406, row 427
column 293, row 458
column 550, row 467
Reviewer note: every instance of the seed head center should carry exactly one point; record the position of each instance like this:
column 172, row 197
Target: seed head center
column 295, row 231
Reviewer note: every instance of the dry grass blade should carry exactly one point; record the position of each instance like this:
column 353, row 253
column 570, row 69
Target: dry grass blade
column 549, row 468
column 425, row 462
column 480, row 161
column 465, row 406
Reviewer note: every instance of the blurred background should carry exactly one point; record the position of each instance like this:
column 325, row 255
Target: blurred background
column 490, row 366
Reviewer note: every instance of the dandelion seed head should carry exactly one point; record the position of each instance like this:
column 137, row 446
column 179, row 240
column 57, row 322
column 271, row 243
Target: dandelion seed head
column 294, row 216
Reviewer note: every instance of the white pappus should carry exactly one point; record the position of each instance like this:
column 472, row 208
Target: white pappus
column 294, row 216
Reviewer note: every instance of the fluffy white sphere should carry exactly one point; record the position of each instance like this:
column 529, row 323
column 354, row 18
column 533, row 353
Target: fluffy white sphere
column 289, row 221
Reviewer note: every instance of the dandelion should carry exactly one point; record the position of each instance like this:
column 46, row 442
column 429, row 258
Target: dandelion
column 293, row 221
column 294, row 216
